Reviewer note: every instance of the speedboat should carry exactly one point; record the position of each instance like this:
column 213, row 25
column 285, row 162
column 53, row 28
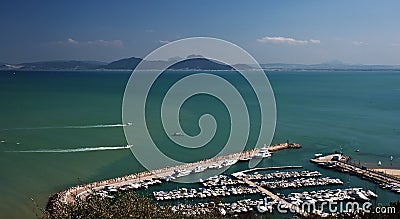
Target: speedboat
column 178, row 134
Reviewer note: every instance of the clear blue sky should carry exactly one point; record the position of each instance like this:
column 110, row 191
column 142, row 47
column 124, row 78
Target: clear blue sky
column 358, row 32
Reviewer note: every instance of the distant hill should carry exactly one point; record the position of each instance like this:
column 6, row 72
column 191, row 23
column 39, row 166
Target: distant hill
column 200, row 64
column 327, row 66
column 194, row 63
column 55, row 65
column 128, row 63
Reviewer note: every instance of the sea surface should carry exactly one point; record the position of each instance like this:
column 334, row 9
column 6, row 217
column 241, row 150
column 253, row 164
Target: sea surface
column 63, row 128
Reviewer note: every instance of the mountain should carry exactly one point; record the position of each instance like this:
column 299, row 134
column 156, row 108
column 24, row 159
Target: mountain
column 193, row 63
column 55, row 65
column 200, row 64
column 128, row 63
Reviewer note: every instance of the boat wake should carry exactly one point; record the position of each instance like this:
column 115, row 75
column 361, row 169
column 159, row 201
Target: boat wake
column 71, row 127
column 72, row 150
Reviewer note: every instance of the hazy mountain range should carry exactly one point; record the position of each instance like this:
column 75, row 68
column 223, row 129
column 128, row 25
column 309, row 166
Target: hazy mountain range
column 194, row 63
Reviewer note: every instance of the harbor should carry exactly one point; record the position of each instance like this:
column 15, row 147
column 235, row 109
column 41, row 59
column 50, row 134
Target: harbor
column 256, row 190
column 170, row 173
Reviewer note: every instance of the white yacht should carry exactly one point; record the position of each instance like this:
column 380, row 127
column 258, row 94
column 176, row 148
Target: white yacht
column 183, row 172
column 228, row 162
column 198, row 169
column 263, row 153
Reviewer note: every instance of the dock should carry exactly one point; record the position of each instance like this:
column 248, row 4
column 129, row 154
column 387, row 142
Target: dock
column 276, row 198
column 268, row 168
column 341, row 163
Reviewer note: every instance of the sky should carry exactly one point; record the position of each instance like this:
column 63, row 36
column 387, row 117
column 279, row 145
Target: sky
column 306, row 32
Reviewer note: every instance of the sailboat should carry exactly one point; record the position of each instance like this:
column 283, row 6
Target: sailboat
column 379, row 163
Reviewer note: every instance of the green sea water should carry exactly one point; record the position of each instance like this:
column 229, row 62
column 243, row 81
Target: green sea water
column 70, row 111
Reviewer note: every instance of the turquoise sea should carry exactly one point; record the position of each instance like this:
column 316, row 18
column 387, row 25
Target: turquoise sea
column 55, row 125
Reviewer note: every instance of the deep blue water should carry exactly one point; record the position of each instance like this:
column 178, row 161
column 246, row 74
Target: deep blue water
column 50, row 110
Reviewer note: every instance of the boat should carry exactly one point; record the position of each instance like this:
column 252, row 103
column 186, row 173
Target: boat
column 180, row 173
column 245, row 159
column 379, row 163
column 214, row 166
column 228, row 162
column 263, row 153
column 198, row 169
column 360, row 196
column 318, row 155
column 371, row 194
column 178, row 134
column 358, row 150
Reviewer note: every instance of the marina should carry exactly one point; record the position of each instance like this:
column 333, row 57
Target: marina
column 168, row 173
column 244, row 187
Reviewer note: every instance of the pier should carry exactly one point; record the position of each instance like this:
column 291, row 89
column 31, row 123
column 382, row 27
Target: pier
column 340, row 163
column 277, row 198
column 287, row 145
column 269, row 168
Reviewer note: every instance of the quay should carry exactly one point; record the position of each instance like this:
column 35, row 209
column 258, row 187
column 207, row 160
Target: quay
column 341, row 163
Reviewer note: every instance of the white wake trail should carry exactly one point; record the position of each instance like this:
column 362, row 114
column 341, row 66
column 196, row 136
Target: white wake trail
column 71, row 127
column 73, row 150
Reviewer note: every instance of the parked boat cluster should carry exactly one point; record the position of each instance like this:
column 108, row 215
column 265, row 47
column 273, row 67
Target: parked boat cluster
column 391, row 187
column 282, row 175
column 198, row 169
column 108, row 191
column 330, row 195
column 221, row 180
column 267, row 204
column 183, row 193
column 300, row 182
column 231, row 208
